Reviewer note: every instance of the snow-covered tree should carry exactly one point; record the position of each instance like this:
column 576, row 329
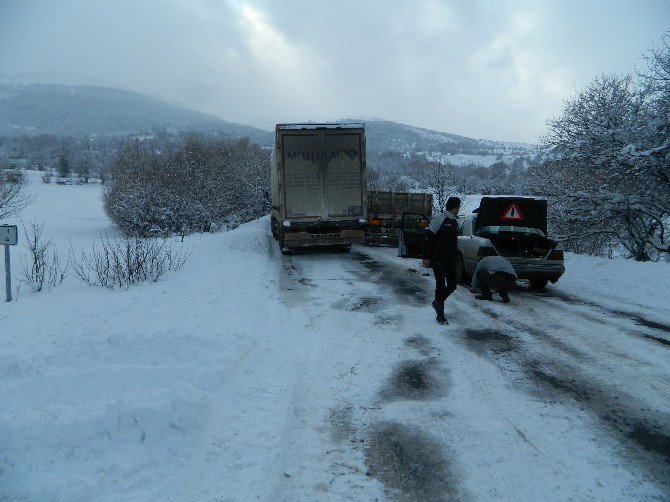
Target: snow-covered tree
column 604, row 190
column 83, row 169
column 195, row 188
column 63, row 166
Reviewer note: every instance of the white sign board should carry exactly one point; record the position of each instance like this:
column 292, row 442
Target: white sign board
column 9, row 235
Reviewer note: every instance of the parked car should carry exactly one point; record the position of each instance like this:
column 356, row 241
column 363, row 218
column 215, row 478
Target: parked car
column 513, row 227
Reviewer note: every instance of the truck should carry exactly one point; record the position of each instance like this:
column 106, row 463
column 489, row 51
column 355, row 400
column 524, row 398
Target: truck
column 318, row 183
column 386, row 210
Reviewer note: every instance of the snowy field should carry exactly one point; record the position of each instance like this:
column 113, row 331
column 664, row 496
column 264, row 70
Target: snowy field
column 248, row 375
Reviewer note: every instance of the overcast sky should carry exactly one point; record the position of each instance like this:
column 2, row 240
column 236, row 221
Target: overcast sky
column 491, row 69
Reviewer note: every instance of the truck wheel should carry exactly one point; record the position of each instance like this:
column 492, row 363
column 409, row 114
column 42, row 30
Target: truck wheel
column 282, row 243
column 538, row 283
column 462, row 276
column 280, row 238
column 273, row 226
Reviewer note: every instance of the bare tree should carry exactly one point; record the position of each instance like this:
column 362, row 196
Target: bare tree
column 373, row 179
column 439, row 178
column 13, row 193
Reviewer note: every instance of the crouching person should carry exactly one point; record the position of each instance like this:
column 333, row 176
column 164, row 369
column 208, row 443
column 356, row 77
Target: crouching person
column 493, row 272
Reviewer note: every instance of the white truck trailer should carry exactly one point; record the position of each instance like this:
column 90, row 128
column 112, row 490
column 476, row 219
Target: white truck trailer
column 318, row 185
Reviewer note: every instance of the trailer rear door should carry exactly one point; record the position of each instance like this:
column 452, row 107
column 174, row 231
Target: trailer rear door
column 343, row 174
column 303, row 180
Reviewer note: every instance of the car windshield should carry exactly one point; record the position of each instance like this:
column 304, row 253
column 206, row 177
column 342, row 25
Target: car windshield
column 509, row 229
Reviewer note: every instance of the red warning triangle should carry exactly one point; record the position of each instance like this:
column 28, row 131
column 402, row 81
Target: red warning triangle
column 512, row 213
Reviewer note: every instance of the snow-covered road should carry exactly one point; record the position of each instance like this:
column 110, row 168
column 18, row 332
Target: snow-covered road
column 552, row 397
column 323, row 376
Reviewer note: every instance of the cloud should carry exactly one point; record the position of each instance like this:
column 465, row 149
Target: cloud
column 495, row 69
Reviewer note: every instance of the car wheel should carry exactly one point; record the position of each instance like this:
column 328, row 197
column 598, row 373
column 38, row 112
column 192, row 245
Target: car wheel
column 462, row 276
column 538, row 283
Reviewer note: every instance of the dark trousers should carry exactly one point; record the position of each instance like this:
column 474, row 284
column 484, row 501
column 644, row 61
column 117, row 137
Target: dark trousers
column 500, row 282
column 445, row 280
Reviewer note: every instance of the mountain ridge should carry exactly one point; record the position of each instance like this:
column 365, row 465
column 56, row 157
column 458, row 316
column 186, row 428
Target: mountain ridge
column 84, row 110
column 68, row 110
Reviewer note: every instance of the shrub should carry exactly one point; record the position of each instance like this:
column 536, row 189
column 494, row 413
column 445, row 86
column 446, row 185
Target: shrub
column 44, row 266
column 123, row 262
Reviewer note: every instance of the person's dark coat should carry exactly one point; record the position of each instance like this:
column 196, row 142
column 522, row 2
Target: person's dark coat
column 440, row 243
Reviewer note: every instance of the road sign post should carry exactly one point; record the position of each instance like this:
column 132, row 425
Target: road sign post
column 9, row 236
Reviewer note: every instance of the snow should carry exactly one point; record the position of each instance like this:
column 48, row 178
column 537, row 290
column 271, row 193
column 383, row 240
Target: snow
column 249, row 375
column 621, row 284
column 501, row 152
column 327, row 125
column 465, row 159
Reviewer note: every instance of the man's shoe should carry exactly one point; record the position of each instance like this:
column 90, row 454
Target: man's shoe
column 439, row 310
column 504, row 296
column 484, row 297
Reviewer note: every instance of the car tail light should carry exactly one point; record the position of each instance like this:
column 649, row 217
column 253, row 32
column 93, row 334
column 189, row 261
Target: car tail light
column 422, row 224
column 556, row 254
column 486, row 251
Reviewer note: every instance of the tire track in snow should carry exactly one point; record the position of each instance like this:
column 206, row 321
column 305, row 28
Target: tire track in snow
column 242, row 431
column 397, row 459
column 642, row 431
column 411, row 463
column 637, row 319
column 314, row 280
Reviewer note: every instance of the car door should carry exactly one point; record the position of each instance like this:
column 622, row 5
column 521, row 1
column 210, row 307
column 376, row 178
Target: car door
column 412, row 232
column 468, row 244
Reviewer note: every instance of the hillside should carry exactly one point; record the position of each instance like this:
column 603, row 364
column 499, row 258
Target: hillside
column 386, row 140
column 82, row 110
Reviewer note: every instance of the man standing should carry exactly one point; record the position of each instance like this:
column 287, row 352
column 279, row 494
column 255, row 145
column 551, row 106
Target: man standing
column 440, row 252
column 493, row 272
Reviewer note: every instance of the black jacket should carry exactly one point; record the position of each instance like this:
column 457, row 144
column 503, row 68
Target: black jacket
column 440, row 244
